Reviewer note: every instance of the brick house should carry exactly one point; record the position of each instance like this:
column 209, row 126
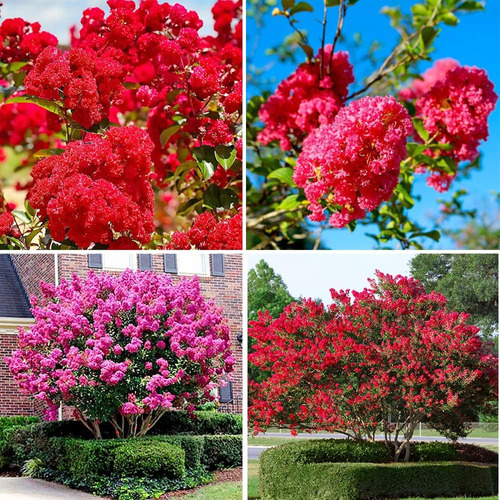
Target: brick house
column 220, row 277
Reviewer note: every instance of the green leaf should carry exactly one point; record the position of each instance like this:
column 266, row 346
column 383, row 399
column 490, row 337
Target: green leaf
column 419, row 127
column 286, row 4
column 205, row 157
column 225, row 155
column 43, row 103
column 22, row 216
column 289, row 203
column 332, row 3
column 433, row 235
column 283, row 174
column 32, row 235
column 404, row 196
column 449, row 18
column 188, row 207
column 447, row 164
column 168, row 133
column 301, row 7
column 427, row 36
column 214, row 197
column 470, row 5
column 308, row 50
column 43, row 153
column 131, row 85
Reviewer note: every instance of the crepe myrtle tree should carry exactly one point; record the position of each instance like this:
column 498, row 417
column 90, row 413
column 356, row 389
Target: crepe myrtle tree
column 377, row 361
column 123, row 349
column 331, row 147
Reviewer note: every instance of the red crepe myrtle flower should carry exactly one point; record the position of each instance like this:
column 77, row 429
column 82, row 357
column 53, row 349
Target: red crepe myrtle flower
column 210, row 233
column 98, row 187
column 308, row 98
column 85, row 83
column 354, row 162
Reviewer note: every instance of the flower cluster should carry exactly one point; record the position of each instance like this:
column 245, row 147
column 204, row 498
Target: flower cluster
column 308, row 98
column 85, row 83
column 22, row 41
column 20, row 121
column 353, row 163
column 210, row 233
column 134, row 344
column 454, row 102
column 6, row 223
column 391, row 349
column 177, row 71
column 98, row 189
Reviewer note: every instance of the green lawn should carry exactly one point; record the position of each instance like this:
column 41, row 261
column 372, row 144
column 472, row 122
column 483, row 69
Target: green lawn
column 272, row 441
column 221, row 491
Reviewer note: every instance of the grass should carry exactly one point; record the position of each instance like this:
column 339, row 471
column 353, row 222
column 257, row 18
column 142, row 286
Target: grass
column 272, row 441
column 253, row 479
column 231, row 490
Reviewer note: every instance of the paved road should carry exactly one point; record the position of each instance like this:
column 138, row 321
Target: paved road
column 254, row 452
column 25, row 488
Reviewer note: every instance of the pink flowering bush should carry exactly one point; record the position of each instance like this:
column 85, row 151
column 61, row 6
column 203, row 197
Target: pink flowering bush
column 329, row 147
column 354, row 161
column 123, row 349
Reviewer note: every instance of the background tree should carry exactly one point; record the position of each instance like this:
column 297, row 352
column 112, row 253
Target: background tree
column 266, row 292
column 469, row 282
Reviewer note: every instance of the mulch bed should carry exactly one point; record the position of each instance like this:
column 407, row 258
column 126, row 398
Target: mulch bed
column 222, row 476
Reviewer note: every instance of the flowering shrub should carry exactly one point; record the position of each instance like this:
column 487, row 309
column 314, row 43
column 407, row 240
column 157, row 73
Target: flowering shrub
column 344, row 156
column 144, row 67
column 379, row 360
column 124, row 349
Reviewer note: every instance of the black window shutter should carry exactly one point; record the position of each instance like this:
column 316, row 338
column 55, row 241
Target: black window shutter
column 145, row 262
column 95, row 260
column 226, row 393
column 218, row 265
column 170, row 263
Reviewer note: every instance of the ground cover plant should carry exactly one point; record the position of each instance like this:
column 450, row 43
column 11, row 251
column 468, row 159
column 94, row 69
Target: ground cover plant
column 128, row 138
column 327, row 150
column 385, row 358
column 123, row 350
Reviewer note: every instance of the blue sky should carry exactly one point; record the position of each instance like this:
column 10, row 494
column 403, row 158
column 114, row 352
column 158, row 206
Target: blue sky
column 313, row 277
column 475, row 42
column 57, row 16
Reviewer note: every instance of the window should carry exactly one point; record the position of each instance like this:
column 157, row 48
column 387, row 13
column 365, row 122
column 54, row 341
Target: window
column 119, row 261
column 193, row 263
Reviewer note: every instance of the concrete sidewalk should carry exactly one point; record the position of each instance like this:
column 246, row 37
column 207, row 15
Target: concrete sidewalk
column 25, row 488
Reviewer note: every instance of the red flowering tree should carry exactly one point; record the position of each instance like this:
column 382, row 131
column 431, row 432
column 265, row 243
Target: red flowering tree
column 377, row 361
column 328, row 151
column 129, row 138
column 123, row 349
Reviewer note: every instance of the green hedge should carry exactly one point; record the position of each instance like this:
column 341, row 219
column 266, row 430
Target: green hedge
column 328, row 450
column 222, row 452
column 357, row 481
column 201, row 423
column 150, row 459
column 7, row 422
column 193, row 447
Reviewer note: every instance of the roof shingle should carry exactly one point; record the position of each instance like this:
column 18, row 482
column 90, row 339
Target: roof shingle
column 14, row 302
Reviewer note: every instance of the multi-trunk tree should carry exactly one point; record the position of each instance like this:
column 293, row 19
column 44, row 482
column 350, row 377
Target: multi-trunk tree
column 123, row 349
column 379, row 361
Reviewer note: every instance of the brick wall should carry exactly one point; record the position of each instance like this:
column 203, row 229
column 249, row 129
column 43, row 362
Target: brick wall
column 34, row 268
column 12, row 402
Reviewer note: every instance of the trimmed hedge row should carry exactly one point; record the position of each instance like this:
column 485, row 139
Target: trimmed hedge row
column 353, row 481
column 7, row 422
column 90, row 457
column 348, row 470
